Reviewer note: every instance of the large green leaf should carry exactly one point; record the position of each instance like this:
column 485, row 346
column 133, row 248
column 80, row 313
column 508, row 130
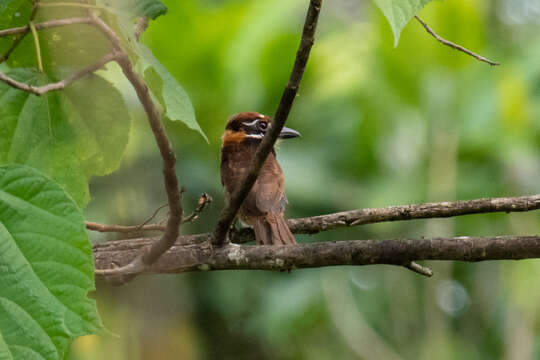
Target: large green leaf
column 69, row 135
column 399, row 13
column 172, row 97
column 46, row 268
column 76, row 45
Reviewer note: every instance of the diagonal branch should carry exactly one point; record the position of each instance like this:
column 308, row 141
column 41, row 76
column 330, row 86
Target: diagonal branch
column 60, row 85
column 146, row 258
column 228, row 214
column 186, row 258
column 453, row 45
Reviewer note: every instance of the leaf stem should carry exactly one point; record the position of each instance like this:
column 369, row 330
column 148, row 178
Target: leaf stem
column 36, row 43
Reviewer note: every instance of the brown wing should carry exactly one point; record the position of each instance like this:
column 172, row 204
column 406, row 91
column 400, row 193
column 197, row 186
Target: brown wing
column 267, row 195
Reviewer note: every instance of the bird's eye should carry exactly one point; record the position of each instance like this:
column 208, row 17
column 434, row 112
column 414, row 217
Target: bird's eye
column 263, row 125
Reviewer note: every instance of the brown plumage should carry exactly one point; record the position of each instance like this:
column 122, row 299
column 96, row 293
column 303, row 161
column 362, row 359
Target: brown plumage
column 264, row 206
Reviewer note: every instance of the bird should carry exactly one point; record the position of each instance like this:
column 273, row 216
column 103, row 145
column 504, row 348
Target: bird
column 265, row 204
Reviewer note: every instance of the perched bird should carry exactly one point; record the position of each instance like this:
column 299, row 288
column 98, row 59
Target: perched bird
column 264, row 206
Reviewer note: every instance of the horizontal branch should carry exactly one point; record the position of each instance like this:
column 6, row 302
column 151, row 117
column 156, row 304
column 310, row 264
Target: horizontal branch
column 444, row 209
column 46, row 25
column 185, row 258
column 60, row 85
column 203, row 202
column 93, row 226
column 194, row 252
column 315, row 224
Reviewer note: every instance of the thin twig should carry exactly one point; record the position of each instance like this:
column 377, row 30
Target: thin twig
column 453, row 45
column 184, row 258
column 417, row 268
column 154, row 214
column 93, row 226
column 46, row 25
column 144, row 226
column 157, row 248
column 228, row 214
column 204, row 200
column 40, row 90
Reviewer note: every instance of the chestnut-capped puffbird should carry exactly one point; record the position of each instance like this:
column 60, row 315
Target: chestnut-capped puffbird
column 264, row 206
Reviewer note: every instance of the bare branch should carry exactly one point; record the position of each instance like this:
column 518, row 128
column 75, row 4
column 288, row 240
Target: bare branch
column 40, row 90
column 46, row 25
column 308, row 37
column 203, row 202
column 315, row 224
column 192, row 252
column 185, row 258
column 93, row 226
column 157, row 248
column 417, row 268
column 455, row 46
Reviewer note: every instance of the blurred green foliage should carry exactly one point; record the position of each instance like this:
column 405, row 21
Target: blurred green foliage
column 381, row 126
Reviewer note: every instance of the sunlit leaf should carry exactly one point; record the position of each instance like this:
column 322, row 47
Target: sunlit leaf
column 172, row 97
column 399, row 13
column 46, row 268
column 69, row 135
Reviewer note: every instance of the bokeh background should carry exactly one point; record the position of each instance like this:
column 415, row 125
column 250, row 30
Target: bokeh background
column 381, row 126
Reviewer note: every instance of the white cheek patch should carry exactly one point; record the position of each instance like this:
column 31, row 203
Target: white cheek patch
column 255, row 136
column 251, row 123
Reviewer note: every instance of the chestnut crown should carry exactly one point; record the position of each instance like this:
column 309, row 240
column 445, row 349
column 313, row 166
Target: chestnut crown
column 255, row 125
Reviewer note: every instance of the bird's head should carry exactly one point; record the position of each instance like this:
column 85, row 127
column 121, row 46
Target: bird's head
column 250, row 127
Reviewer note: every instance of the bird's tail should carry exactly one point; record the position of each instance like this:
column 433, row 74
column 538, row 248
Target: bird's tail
column 272, row 229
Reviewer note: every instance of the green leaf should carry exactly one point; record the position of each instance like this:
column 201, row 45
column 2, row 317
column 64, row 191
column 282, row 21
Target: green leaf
column 168, row 91
column 76, row 45
column 135, row 8
column 149, row 8
column 13, row 13
column 46, row 268
column 69, row 135
column 399, row 13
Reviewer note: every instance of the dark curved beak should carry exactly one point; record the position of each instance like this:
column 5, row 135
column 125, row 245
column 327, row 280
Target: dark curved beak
column 288, row 133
